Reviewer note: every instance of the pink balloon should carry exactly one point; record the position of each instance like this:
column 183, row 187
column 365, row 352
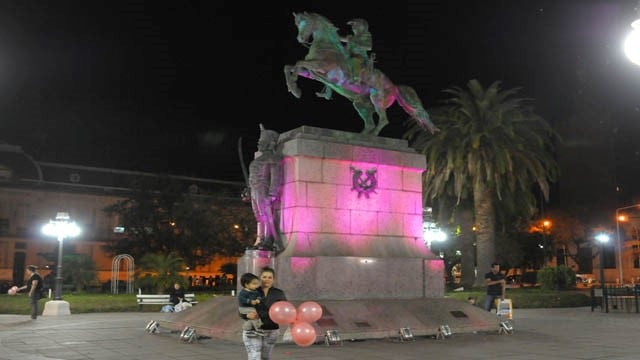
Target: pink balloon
column 282, row 313
column 309, row 311
column 11, row 291
column 303, row 334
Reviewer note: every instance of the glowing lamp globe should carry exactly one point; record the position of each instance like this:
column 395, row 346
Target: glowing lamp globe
column 602, row 238
column 632, row 43
column 61, row 229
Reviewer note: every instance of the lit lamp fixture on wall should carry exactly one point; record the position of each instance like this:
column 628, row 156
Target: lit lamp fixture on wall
column 432, row 233
column 61, row 228
column 430, row 230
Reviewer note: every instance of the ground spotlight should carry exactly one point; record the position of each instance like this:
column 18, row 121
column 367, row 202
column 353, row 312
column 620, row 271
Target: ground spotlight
column 152, row 327
column 406, row 334
column 188, row 335
column 444, row 331
column 332, row 337
column 506, row 327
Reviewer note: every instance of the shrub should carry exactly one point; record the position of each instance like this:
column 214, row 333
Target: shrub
column 525, row 298
column 560, row 277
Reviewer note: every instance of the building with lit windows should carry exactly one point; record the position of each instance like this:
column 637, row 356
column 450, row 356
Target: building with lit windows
column 32, row 192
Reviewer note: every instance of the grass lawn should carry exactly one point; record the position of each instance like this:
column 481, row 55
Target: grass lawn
column 85, row 303
column 89, row 303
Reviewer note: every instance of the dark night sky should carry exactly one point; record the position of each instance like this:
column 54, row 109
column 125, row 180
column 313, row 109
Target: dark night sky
column 171, row 86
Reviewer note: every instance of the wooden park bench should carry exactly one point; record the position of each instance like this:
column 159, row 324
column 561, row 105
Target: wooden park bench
column 163, row 299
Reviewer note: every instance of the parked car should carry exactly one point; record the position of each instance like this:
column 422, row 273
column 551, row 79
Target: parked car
column 513, row 277
column 585, row 280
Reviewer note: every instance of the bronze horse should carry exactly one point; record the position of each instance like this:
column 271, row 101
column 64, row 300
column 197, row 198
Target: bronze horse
column 329, row 62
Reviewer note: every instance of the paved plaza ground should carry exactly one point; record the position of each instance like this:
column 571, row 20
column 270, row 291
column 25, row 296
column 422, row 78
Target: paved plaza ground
column 571, row 333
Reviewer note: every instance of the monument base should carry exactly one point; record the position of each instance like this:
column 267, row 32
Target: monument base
column 322, row 277
column 353, row 319
column 56, row 308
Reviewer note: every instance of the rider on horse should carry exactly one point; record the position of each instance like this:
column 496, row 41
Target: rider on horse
column 358, row 46
column 348, row 71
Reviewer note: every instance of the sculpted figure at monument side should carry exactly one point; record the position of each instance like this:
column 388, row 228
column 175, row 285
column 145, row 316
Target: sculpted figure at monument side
column 265, row 183
column 349, row 71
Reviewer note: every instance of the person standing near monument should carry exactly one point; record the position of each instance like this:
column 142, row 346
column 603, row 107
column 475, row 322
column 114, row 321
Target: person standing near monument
column 34, row 286
column 265, row 183
column 260, row 348
column 495, row 286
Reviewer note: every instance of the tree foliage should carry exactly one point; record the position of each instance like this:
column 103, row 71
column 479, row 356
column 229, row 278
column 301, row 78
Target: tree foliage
column 556, row 277
column 159, row 272
column 79, row 270
column 492, row 149
column 160, row 217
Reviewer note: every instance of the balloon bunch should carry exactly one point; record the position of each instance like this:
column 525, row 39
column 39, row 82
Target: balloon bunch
column 302, row 332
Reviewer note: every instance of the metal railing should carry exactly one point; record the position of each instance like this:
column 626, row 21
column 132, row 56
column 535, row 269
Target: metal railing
column 616, row 298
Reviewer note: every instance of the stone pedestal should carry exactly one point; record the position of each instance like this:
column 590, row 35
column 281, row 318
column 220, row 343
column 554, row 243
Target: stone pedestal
column 351, row 215
column 56, row 308
column 252, row 261
column 359, row 254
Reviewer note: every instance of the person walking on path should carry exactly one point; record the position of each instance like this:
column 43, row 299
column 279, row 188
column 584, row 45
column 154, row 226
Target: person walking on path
column 33, row 286
column 495, row 286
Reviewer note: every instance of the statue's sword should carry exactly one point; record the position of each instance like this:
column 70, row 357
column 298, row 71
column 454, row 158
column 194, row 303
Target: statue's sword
column 246, row 192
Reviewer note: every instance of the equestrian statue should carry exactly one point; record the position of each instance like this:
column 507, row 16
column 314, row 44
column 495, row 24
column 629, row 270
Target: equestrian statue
column 348, row 70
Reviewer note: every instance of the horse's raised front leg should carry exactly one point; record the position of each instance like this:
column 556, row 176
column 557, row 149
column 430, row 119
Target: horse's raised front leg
column 291, row 76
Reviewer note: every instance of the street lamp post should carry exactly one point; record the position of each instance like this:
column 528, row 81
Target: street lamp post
column 548, row 249
column 603, row 239
column 60, row 228
column 618, row 241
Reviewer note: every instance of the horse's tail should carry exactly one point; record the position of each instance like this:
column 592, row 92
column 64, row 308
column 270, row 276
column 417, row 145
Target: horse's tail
column 410, row 102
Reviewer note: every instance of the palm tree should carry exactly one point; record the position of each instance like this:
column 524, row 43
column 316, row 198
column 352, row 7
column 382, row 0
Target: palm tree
column 492, row 149
column 160, row 271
